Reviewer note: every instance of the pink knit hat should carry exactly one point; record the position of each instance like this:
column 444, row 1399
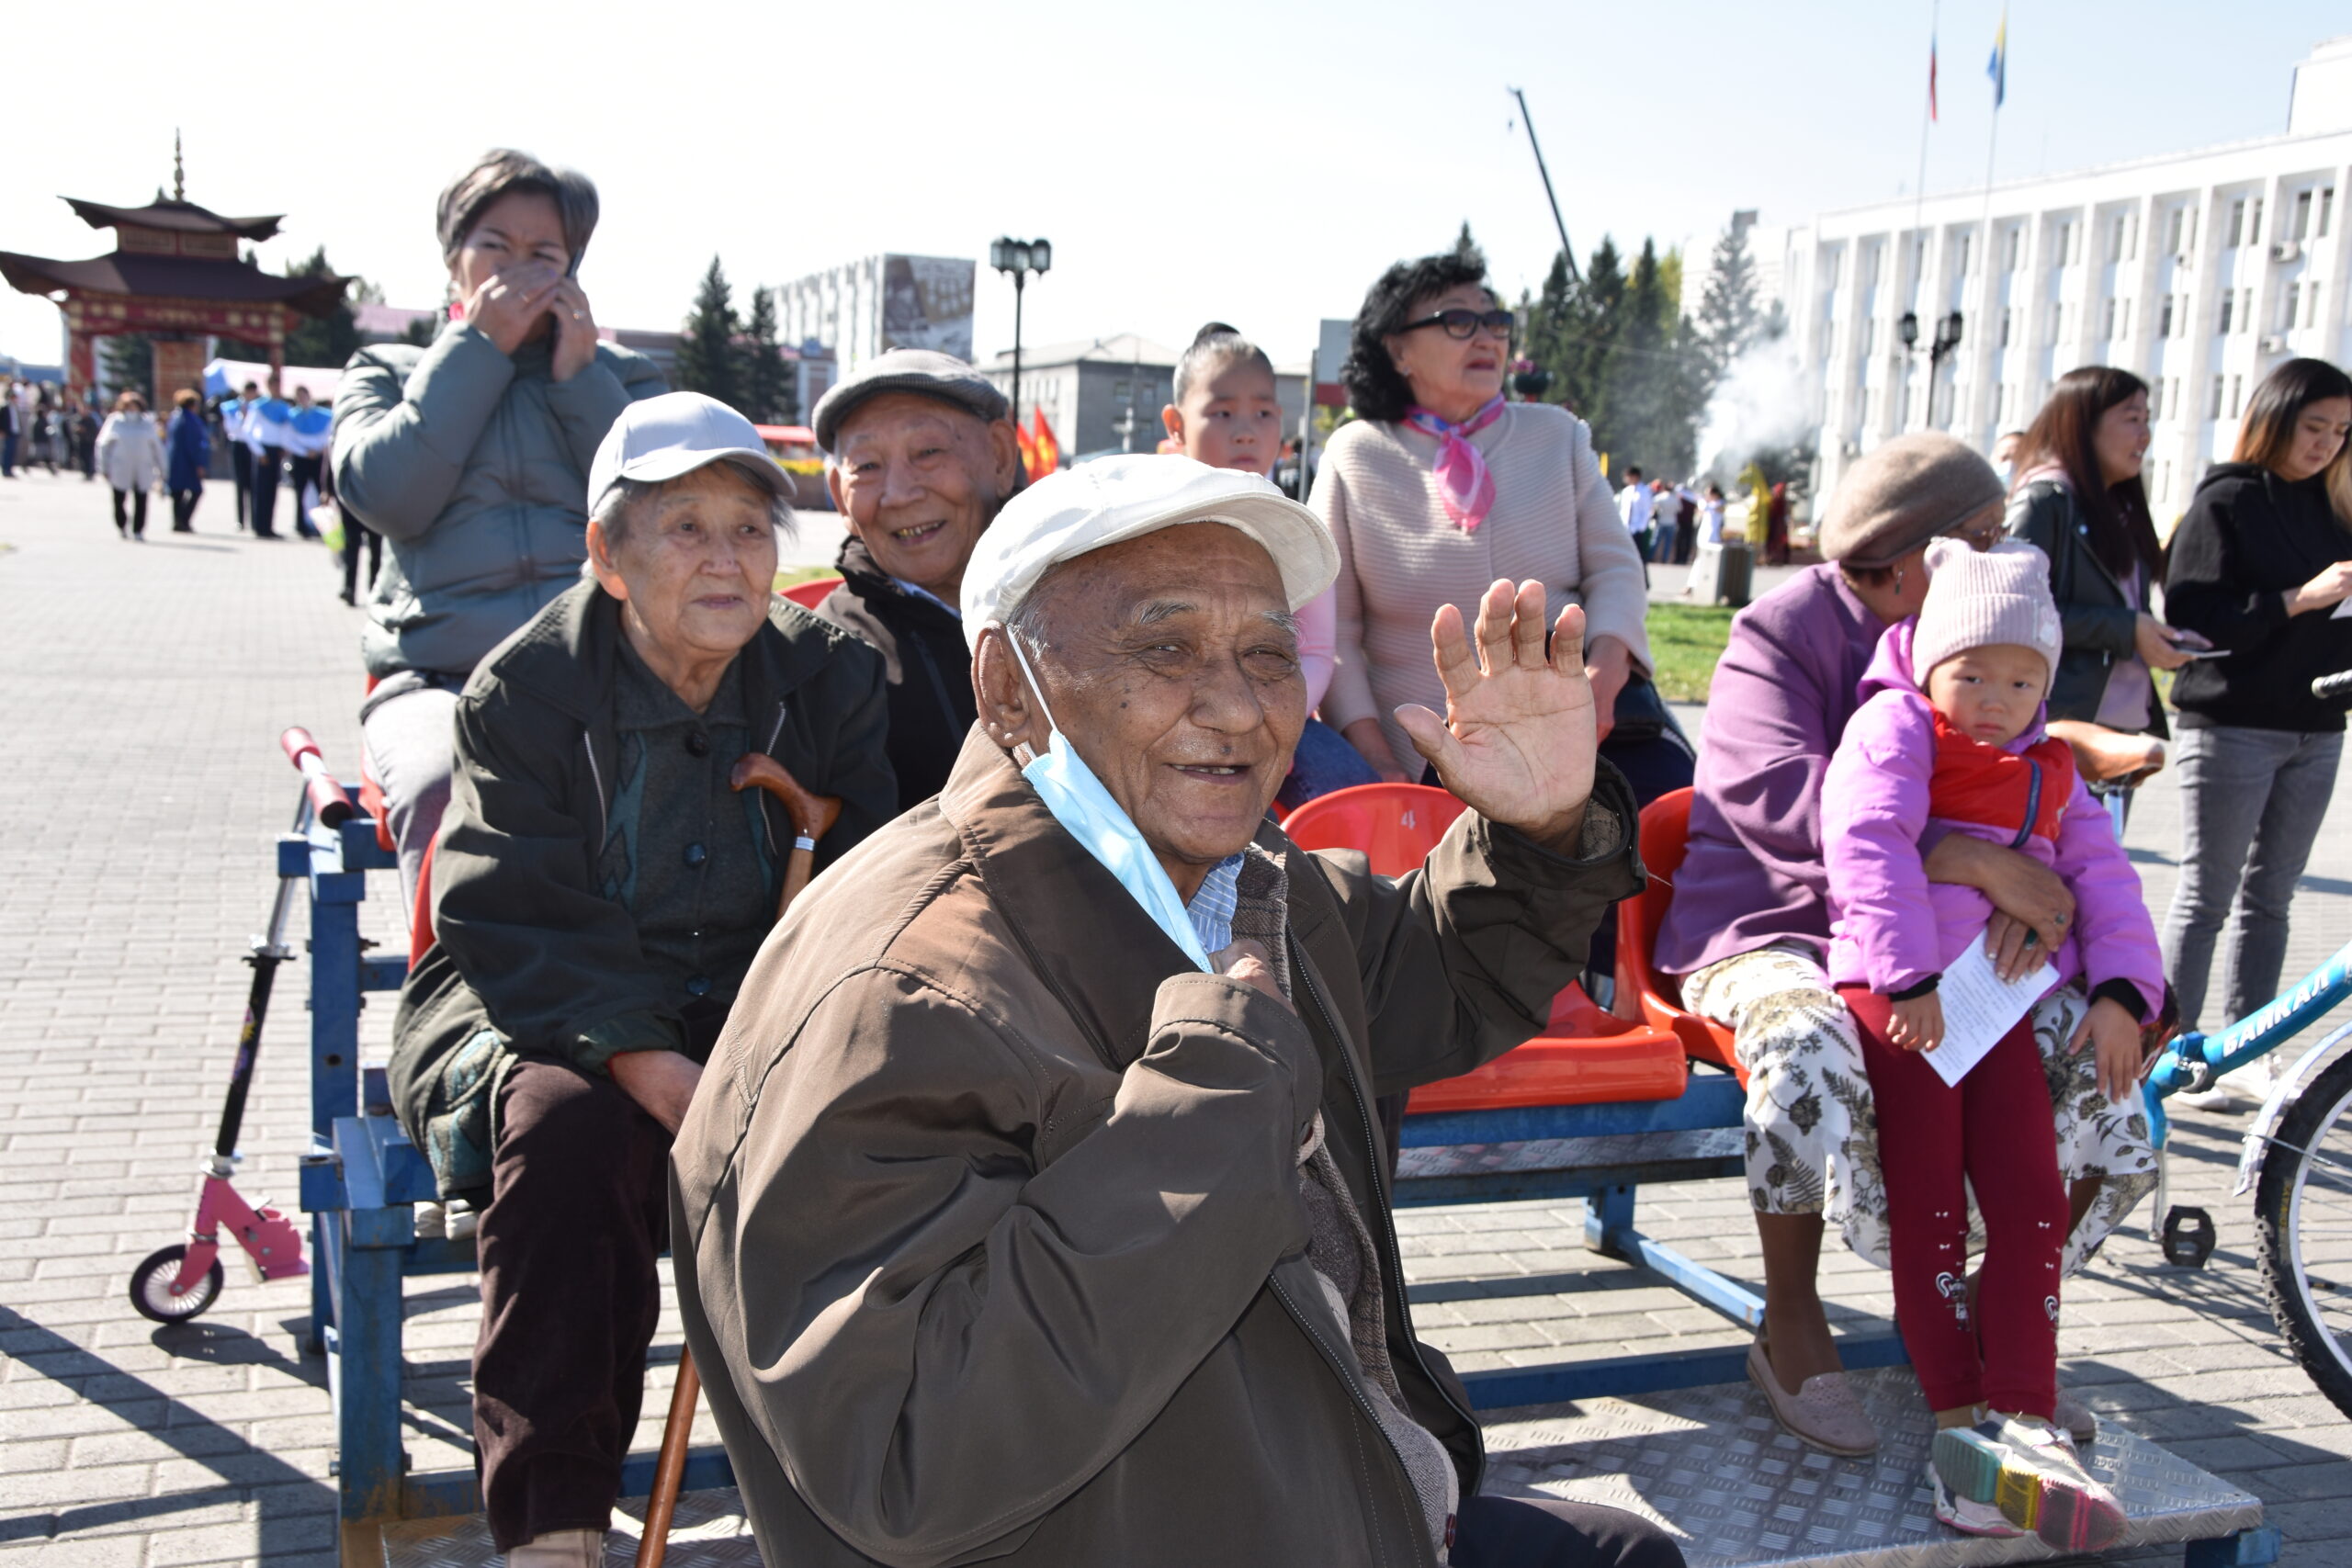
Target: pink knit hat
column 1978, row 598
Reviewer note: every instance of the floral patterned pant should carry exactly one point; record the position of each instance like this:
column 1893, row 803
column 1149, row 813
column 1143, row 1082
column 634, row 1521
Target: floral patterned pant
column 1812, row 1133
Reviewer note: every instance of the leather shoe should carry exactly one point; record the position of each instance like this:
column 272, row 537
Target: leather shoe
column 1822, row 1413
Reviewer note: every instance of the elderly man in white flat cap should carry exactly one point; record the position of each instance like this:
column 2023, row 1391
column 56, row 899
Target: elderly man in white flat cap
column 599, row 888
column 1031, row 1211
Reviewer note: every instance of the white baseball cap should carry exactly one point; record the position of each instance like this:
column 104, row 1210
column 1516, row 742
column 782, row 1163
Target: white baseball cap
column 1079, row 511
column 660, row 438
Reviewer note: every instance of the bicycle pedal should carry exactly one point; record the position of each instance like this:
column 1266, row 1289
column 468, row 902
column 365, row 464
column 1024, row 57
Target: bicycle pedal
column 2187, row 1237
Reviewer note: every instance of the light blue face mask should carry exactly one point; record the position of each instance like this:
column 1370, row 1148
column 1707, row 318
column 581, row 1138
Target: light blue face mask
column 1081, row 805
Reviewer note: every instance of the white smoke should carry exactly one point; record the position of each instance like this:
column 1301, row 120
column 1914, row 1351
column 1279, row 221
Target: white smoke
column 1765, row 401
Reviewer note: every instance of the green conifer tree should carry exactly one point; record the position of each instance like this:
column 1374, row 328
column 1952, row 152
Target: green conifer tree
column 708, row 361
column 765, row 382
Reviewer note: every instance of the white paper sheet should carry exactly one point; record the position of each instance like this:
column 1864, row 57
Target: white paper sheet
column 1979, row 1007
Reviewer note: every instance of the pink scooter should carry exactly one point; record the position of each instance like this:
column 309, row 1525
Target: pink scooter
column 177, row 1283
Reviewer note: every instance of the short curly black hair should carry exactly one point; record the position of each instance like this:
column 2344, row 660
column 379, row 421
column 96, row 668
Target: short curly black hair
column 1375, row 388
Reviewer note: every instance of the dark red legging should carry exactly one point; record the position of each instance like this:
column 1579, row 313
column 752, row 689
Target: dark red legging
column 1993, row 1128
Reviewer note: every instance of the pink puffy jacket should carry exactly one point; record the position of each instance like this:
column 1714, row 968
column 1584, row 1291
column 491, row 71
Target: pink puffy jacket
column 1890, row 927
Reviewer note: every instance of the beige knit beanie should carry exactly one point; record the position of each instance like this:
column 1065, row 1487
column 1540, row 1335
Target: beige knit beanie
column 1903, row 493
column 1976, row 598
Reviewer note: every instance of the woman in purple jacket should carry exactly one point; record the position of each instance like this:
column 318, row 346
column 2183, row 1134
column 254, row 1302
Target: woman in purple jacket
column 1749, row 924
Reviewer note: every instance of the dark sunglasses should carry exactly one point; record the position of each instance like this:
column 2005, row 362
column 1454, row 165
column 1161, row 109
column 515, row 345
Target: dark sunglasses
column 1461, row 324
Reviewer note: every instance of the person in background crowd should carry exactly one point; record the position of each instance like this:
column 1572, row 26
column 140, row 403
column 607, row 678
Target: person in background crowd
column 233, row 415
column 10, row 429
column 2258, row 566
column 131, row 454
column 1776, row 526
column 1749, row 929
column 2005, row 453
column 2077, row 497
column 1226, row 415
column 470, row 457
column 1686, row 523
column 599, row 891
column 191, row 451
column 306, row 444
column 991, row 1130
column 920, row 453
column 86, row 436
column 40, row 427
column 267, row 424
column 1711, row 516
column 1634, row 505
column 1665, row 518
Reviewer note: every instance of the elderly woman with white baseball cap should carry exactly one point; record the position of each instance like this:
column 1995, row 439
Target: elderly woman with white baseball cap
column 1032, row 1210
column 601, row 881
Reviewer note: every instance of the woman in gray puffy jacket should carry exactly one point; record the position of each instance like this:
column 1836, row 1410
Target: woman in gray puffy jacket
column 471, row 457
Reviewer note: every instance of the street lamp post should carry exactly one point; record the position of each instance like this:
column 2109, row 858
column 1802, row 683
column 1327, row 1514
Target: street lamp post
column 1020, row 258
column 1946, row 338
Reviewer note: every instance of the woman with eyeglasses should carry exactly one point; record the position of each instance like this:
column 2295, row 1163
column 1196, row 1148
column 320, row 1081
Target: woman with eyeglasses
column 1438, row 488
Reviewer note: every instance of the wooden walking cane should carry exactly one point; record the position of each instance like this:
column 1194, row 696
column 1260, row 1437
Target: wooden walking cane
column 812, row 817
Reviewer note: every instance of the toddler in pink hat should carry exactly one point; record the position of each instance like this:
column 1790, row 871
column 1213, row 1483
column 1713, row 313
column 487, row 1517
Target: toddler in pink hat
column 1949, row 737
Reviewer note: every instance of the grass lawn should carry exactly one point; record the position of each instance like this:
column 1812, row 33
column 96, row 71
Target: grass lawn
column 1685, row 642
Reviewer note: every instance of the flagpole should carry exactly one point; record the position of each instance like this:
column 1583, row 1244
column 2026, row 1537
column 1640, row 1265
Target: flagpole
column 1919, row 199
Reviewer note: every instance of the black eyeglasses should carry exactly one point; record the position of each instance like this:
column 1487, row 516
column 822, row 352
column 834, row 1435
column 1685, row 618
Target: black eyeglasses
column 1461, row 324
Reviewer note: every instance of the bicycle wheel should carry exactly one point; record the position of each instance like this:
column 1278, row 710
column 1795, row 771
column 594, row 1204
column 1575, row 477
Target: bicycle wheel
column 2303, row 1212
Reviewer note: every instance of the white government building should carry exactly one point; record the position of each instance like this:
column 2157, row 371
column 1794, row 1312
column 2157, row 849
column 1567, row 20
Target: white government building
column 2198, row 271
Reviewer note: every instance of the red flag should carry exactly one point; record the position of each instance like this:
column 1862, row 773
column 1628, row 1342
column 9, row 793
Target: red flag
column 1028, row 451
column 1931, row 77
column 1049, row 451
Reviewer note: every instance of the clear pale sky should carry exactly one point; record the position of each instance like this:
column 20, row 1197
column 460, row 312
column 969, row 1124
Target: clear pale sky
column 1259, row 162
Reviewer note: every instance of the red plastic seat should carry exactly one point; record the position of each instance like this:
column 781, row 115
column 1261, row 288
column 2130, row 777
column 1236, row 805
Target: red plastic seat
column 1585, row 1056
column 1666, row 832
column 811, row 594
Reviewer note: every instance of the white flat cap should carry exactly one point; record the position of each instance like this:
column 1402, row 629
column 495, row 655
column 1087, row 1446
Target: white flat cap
column 660, row 438
column 1077, row 511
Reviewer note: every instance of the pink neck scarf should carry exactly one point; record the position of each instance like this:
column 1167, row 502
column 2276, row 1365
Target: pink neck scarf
column 1464, row 483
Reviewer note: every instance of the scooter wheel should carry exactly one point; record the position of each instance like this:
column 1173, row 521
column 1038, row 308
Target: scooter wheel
column 150, row 1286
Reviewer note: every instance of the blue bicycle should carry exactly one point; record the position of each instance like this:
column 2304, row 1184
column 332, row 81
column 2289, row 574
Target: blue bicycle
column 2297, row 1158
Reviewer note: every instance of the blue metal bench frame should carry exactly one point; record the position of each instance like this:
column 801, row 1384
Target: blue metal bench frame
column 362, row 1177
column 359, row 1183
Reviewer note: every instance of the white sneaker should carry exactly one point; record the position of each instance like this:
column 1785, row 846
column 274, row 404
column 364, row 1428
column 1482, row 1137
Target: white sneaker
column 1967, row 1515
column 2028, row 1469
column 560, row 1549
column 2218, row 1098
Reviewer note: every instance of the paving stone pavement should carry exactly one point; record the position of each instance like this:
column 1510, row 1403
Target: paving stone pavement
column 141, row 687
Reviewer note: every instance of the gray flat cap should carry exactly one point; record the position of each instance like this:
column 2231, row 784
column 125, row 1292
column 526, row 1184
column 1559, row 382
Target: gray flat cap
column 1903, row 493
column 924, row 371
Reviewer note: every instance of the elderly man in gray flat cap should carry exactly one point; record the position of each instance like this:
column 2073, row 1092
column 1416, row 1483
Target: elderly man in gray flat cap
column 922, row 454
column 1033, row 1210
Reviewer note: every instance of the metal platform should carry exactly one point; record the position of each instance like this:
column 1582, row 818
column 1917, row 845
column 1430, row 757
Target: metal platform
column 1711, row 1464
column 1708, row 1464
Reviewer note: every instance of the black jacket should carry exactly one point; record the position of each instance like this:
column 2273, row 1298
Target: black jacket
column 528, row 957
column 2097, row 618
column 2250, row 536
column 929, row 663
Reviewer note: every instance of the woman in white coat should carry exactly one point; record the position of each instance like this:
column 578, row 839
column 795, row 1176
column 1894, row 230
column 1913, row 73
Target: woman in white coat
column 130, row 455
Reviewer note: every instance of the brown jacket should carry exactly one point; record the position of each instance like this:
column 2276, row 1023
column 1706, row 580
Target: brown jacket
column 987, row 1213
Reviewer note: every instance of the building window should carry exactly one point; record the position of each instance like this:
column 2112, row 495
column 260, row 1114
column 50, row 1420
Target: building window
column 2176, row 231
column 1967, row 254
column 2006, row 317
column 2311, row 302
column 2220, row 384
column 2253, row 221
column 2299, row 228
column 2287, row 308
column 2326, row 208
column 2155, row 400
column 1870, row 335
column 2229, row 308
column 2119, row 239
column 2012, row 243
column 2108, row 325
column 2163, row 316
column 2172, row 395
column 1869, row 267
column 2237, row 386
column 2237, row 223
column 2245, row 310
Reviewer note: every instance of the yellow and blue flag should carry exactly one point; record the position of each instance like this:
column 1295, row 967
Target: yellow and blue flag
column 1997, row 67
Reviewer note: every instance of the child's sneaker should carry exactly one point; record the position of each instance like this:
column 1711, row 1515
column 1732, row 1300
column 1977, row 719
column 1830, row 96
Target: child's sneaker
column 2027, row 1469
column 1967, row 1515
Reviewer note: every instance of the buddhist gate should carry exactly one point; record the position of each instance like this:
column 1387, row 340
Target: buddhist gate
column 176, row 275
